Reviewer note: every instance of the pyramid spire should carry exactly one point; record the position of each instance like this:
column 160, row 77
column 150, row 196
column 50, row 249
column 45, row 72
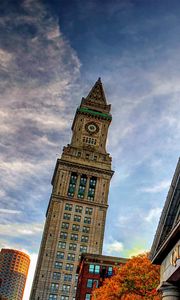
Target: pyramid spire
column 96, row 98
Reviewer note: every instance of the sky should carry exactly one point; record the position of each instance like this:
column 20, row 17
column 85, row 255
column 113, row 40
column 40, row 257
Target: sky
column 51, row 54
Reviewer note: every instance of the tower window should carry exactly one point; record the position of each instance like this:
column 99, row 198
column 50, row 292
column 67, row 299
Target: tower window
column 71, row 256
column 87, row 220
column 92, row 186
column 77, row 218
column 82, row 186
column 83, row 249
column 62, row 245
column 75, row 227
column 65, row 225
column 89, row 140
column 72, row 246
column 56, row 275
column 66, row 288
column 52, row 297
column 74, row 237
column 54, row 287
column 60, row 255
column 64, row 297
column 78, row 209
column 69, row 267
column 67, row 277
column 84, row 238
column 68, row 206
column 63, row 235
column 66, row 216
column 86, row 229
column 89, row 210
column 58, row 265
column 72, row 184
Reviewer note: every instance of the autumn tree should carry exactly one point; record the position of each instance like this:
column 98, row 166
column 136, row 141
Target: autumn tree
column 136, row 280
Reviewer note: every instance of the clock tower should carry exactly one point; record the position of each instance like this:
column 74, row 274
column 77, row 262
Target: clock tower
column 76, row 214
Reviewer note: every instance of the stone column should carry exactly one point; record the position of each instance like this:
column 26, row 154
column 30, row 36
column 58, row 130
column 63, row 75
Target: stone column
column 169, row 291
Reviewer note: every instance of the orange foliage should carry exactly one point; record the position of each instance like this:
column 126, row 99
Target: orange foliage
column 136, row 280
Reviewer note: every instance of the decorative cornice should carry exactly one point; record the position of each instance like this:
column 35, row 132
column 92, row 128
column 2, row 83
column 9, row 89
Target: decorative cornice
column 80, row 166
column 100, row 115
column 76, row 200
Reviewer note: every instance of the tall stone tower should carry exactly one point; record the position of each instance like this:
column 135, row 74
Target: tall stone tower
column 76, row 213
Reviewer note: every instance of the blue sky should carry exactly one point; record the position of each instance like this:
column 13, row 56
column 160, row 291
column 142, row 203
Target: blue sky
column 51, row 54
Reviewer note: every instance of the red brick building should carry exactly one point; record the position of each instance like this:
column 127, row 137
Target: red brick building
column 93, row 269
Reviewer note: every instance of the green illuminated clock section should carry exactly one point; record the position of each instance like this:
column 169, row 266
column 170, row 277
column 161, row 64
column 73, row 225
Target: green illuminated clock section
column 91, row 127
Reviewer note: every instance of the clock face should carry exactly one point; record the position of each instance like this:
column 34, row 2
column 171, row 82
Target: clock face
column 92, row 127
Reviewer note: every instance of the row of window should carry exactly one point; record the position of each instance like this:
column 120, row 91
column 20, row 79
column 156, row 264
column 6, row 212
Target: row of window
column 77, row 218
column 82, row 186
column 93, row 157
column 59, row 265
column 57, row 276
column 89, row 140
column 71, row 256
column 54, row 297
column 74, row 237
column 72, row 246
column 75, row 227
column 78, row 208
column 95, row 269
column 67, row 277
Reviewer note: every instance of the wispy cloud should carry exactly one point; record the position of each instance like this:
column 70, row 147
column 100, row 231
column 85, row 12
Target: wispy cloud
column 9, row 211
column 22, row 229
column 38, row 70
column 114, row 248
column 153, row 214
column 157, row 188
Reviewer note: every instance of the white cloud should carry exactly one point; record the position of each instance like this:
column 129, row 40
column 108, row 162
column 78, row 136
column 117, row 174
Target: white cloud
column 5, row 58
column 157, row 188
column 9, row 211
column 21, row 229
column 114, row 248
column 153, row 214
column 39, row 79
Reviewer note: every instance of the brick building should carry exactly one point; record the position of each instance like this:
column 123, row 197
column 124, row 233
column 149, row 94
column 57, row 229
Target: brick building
column 14, row 267
column 92, row 270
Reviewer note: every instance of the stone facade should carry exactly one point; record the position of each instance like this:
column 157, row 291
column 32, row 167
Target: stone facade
column 166, row 246
column 76, row 213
